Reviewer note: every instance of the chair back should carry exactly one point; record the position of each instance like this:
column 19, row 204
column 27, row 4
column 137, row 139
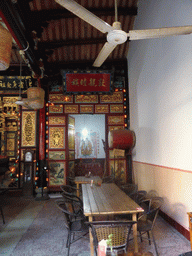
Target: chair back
column 108, row 179
column 155, row 206
column 73, row 202
column 120, row 231
column 68, row 189
column 139, row 196
column 71, row 181
column 129, row 189
column 62, row 206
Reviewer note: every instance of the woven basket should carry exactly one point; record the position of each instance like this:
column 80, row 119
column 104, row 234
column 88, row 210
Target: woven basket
column 5, row 48
column 36, row 104
column 35, row 92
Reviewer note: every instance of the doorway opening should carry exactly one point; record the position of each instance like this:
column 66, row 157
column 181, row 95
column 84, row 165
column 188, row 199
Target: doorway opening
column 89, row 136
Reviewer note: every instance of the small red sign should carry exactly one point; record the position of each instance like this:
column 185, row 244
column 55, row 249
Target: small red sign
column 87, row 82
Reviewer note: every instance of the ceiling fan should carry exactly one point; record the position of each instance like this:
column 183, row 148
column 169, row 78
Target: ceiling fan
column 115, row 35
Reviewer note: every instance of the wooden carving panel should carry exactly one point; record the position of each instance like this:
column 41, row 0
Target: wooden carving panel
column 56, row 120
column 28, row 138
column 57, row 137
column 115, row 120
column 116, row 97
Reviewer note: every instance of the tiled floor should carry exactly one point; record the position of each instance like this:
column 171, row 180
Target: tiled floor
column 36, row 228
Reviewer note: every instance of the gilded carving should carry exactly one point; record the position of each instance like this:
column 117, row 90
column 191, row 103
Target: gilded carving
column 56, row 109
column 71, row 109
column 10, row 101
column 11, row 144
column 86, row 109
column 56, row 155
column 71, row 121
column 86, row 99
column 116, row 108
column 28, row 129
column 116, row 97
column 101, row 109
column 71, row 138
column 115, row 120
column 56, row 120
column 60, row 98
column 111, row 128
column 56, row 137
column 72, row 155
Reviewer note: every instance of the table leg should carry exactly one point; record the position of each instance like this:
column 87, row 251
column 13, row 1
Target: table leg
column 134, row 218
column 91, row 238
column 78, row 194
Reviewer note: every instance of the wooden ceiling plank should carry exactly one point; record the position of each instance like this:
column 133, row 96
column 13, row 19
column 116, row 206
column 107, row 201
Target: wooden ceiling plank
column 60, row 13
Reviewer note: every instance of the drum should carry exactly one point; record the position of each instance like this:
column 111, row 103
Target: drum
column 121, row 139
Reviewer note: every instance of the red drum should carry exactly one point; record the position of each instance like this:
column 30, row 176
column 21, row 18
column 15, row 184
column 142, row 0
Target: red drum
column 122, row 139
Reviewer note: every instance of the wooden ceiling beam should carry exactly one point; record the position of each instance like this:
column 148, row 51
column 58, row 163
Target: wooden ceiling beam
column 68, row 42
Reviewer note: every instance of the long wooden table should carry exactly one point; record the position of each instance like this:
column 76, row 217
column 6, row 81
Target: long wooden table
column 108, row 199
column 86, row 180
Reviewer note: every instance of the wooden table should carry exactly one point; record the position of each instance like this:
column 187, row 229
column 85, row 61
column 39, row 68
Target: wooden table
column 86, row 180
column 108, row 199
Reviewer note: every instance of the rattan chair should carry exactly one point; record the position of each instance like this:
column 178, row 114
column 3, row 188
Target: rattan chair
column 74, row 203
column 108, row 179
column 1, row 209
column 75, row 224
column 69, row 189
column 71, row 181
column 129, row 189
column 2, row 192
column 120, row 231
column 147, row 220
column 139, row 196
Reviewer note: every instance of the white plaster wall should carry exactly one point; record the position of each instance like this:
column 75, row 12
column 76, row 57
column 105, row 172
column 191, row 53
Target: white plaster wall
column 160, row 87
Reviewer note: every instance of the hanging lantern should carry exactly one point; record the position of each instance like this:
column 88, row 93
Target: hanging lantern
column 5, row 48
column 35, row 97
column 36, row 104
column 35, row 92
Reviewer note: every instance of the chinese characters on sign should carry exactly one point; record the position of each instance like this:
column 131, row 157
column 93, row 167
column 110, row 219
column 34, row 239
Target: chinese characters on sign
column 87, row 82
column 14, row 82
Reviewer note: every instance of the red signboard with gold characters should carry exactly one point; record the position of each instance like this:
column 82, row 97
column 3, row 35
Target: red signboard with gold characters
column 87, row 82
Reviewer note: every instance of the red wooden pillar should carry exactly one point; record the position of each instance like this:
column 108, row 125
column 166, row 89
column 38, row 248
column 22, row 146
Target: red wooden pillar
column 42, row 134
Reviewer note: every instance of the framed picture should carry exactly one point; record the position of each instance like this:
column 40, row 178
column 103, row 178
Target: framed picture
column 57, row 173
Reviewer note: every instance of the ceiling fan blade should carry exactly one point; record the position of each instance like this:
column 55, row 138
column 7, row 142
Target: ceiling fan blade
column 104, row 53
column 85, row 15
column 159, row 32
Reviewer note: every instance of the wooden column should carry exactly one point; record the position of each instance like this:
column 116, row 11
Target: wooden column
column 42, row 134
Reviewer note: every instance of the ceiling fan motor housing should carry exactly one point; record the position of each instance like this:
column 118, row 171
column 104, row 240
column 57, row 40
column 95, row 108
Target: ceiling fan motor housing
column 117, row 37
